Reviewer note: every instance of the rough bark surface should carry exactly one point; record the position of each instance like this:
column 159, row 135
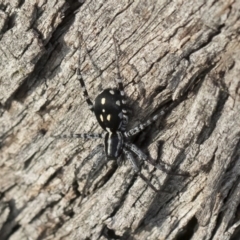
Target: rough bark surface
column 180, row 56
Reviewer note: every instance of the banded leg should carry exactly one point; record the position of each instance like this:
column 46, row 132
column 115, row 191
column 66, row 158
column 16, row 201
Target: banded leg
column 96, row 68
column 120, row 87
column 84, row 89
column 137, row 169
column 81, row 135
column 138, row 152
column 142, row 126
column 96, row 170
column 144, row 157
column 97, row 166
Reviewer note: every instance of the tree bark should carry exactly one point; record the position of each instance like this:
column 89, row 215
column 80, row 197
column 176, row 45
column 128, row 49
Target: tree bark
column 180, row 57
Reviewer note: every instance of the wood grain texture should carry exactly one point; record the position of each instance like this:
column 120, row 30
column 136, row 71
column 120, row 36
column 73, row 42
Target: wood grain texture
column 180, row 56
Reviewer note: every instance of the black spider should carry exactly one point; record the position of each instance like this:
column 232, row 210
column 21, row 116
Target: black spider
column 111, row 113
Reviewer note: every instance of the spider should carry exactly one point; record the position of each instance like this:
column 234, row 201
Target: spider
column 112, row 115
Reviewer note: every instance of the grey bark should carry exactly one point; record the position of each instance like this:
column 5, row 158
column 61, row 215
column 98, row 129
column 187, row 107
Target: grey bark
column 180, row 56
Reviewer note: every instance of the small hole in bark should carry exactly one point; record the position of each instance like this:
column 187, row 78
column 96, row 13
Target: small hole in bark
column 110, row 234
column 188, row 231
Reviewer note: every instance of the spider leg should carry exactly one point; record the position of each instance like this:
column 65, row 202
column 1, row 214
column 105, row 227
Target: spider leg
column 142, row 126
column 120, row 87
column 144, row 157
column 137, row 169
column 95, row 171
column 120, row 160
column 81, row 135
column 96, row 68
column 139, row 153
column 84, row 89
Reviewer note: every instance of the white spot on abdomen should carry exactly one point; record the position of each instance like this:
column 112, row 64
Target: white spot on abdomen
column 103, row 100
column 101, row 117
column 109, row 117
column 118, row 102
column 112, row 92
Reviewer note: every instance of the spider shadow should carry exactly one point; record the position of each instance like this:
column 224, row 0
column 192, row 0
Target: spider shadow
column 160, row 208
column 175, row 180
column 148, row 136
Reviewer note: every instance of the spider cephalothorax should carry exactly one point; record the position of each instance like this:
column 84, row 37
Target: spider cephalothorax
column 110, row 110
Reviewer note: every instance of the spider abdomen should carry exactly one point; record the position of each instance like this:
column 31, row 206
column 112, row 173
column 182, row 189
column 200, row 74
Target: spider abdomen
column 108, row 109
